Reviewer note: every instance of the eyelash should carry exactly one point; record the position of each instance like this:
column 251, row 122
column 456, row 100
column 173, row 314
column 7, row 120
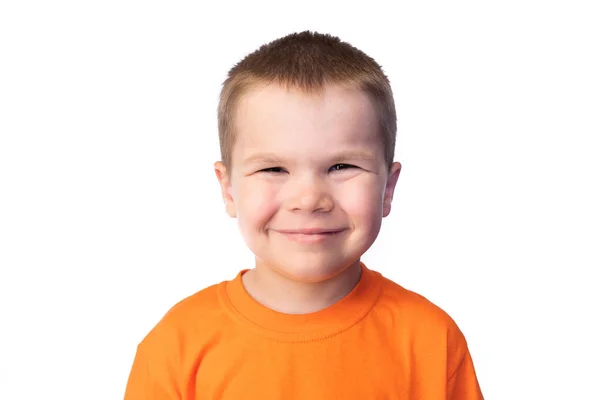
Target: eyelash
column 275, row 170
column 346, row 166
column 272, row 170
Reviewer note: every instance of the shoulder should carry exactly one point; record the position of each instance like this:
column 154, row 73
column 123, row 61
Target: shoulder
column 416, row 315
column 191, row 320
column 199, row 306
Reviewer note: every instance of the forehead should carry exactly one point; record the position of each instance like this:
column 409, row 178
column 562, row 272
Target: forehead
column 289, row 120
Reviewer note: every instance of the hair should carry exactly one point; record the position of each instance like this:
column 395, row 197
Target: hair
column 308, row 61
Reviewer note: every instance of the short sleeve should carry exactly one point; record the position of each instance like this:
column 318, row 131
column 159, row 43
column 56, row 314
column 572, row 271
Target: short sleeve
column 463, row 384
column 143, row 384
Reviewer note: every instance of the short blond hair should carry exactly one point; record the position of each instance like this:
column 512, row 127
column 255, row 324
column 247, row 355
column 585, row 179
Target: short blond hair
column 308, row 61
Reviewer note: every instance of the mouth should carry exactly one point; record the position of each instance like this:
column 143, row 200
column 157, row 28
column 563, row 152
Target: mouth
column 310, row 235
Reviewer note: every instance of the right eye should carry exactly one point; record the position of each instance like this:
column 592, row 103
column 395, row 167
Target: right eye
column 272, row 170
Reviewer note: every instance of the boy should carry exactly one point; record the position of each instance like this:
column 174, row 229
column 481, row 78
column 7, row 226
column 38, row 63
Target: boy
column 307, row 129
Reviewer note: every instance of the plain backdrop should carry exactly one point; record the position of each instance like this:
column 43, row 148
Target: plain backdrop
column 110, row 212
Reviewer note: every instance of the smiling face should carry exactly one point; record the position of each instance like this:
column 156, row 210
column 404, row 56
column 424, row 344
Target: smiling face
column 308, row 182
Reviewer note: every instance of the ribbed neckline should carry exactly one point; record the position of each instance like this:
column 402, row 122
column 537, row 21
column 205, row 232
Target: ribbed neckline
column 302, row 327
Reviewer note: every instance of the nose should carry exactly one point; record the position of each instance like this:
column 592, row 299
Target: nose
column 310, row 195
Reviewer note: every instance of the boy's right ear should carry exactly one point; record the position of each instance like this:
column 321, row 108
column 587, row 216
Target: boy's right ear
column 225, row 183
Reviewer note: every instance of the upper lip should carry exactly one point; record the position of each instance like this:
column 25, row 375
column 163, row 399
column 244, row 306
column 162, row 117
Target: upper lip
column 310, row 231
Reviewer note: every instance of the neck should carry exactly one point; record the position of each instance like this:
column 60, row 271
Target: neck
column 285, row 295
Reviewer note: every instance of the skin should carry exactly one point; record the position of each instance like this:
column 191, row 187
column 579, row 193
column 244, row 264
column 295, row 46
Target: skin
column 309, row 187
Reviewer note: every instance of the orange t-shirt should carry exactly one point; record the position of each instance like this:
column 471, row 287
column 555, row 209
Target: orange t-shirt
column 379, row 342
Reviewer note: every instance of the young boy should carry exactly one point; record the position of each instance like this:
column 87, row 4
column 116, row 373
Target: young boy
column 307, row 128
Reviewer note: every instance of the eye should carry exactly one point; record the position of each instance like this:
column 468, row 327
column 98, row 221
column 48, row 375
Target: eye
column 272, row 170
column 341, row 167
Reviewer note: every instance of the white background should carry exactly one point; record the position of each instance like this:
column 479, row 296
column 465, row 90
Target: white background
column 110, row 212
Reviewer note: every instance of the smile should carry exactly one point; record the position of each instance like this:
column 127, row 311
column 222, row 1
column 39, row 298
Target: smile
column 310, row 235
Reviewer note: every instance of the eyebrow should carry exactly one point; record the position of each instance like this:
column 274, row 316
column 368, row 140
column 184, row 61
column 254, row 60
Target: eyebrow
column 353, row 155
column 263, row 158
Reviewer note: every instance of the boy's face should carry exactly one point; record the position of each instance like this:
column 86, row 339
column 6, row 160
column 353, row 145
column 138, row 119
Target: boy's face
column 308, row 181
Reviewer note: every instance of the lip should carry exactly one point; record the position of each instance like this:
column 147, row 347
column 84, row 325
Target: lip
column 310, row 231
column 310, row 235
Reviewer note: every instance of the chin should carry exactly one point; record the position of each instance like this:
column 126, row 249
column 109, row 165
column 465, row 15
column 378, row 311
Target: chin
column 312, row 271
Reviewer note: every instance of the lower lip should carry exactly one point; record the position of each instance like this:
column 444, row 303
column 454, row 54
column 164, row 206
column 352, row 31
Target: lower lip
column 310, row 238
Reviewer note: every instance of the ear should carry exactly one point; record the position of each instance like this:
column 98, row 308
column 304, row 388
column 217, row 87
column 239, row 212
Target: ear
column 390, row 185
column 225, row 183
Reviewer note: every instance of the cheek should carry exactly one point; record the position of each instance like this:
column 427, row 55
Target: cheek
column 362, row 201
column 256, row 203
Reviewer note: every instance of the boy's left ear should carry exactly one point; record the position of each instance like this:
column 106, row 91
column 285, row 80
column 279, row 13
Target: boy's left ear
column 390, row 185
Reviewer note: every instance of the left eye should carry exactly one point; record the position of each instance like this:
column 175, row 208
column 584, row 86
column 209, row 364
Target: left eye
column 340, row 167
